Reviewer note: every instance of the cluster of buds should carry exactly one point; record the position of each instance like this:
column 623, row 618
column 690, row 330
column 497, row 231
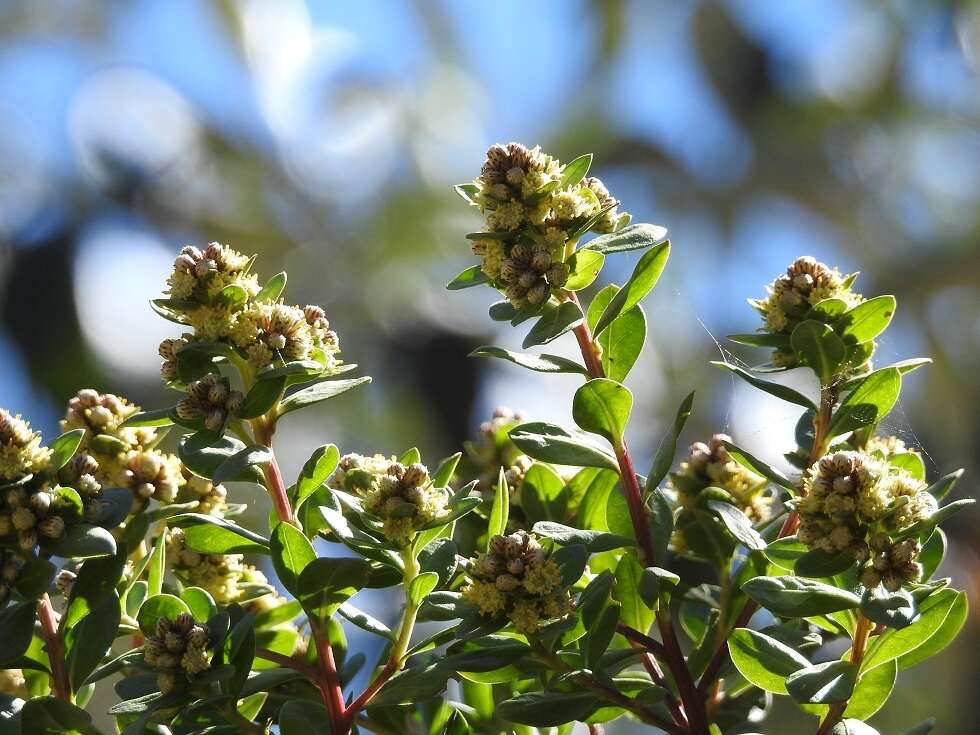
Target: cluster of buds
column 11, row 565
column 517, row 579
column 152, row 474
column 491, row 451
column 710, row 466
column 792, row 295
column 887, row 447
column 103, row 453
column 530, row 219
column 31, row 516
column 279, row 332
column 891, row 563
column 178, row 651
column 850, row 497
column 212, row 500
column 21, row 453
column 211, row 401
column 402, row 498
column 168, row 350
column 225, row 576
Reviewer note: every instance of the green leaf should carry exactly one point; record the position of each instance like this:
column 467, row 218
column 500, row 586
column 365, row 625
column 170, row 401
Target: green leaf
column 622, row 342
column 548, row 709
column 50, row 716
column 315, row 472
column 633, row 237
column 896, row 643
column 231, row 295
column 263, row 396
column 417, row 684
column 819, row 347
column 64, row 447
column 867, row 320
column 200, row 602
column 602, row 406
column 634, row 612
column 159, row 606
column 764, row 661
column 421, row 586
column 539, row 363
column 757, row 339
column 319, row 392
column 654, row 582
column 775, row 389
column 944, row 485
column 872, row 691
column 326, row 583
column 551, row 443
column 825, row 683
column 158, row 417
column 645, row 276
column 668, row 445
column 273, row 288
column 661, row 520
column 784, row 552
column 594, row 541
column 868, row 403
column 202, row 453
column 758, row 466
column 737, row 524
column 941, row 638
column 16, row 631
column 497, row 525
column 795, row 597
column 91, row 638
column 584, row 269
column 571, row 560
column 543, row 494
column 445, row 471
column 83, row 541
column 157, row 567
column 364, row 621
column 212, row 535
column 302, row 717
column 553, row 324
column 574, row 171
column 236, row 465
column 891, row 609
column 472, row 276
column 820, row 563
column 467, row 192
column 601, row 633
column 291, row 553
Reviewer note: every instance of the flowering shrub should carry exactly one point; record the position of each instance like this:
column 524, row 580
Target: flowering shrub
column 545, row 566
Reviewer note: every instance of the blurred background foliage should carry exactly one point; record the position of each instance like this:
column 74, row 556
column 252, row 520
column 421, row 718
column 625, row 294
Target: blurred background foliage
column 325, row 136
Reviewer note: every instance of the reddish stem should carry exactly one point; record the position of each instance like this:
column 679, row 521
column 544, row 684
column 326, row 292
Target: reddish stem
column 673, row 656
column 52, row 644
column 333, row 694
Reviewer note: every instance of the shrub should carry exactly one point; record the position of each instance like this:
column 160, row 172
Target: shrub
column 542, row 558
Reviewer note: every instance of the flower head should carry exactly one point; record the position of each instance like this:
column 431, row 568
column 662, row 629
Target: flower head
column 792, row 295
column 211, row 401
column 226, row 577
column 516, row 578
column 853, row 499
column 21, row 453
column 178, row 651
column 402, row 498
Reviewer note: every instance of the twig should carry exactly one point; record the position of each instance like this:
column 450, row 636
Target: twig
column 52, row 644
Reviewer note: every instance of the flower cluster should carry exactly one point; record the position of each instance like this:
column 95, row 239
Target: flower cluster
column 35, row 514
column 213, row 292
column 114, row 455
column 402, row 498
column 530, row 219
column 491, row 451
column 517, row 579
column 212, row 500
column 710, row 466
column 211, row 401
column 21, row 453
column 225, row 576
column 850, row 497
column 178, row 651
column 13, row 683
column 790, row 297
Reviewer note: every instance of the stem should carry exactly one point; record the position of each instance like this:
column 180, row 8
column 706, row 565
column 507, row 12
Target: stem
column 821, row 423
column 329, row 680
column 858, row 646
column 264, row 428
column 609, row 694
column 52, row 643
column 673, row 656
column 289, row 662
column 399, row 649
